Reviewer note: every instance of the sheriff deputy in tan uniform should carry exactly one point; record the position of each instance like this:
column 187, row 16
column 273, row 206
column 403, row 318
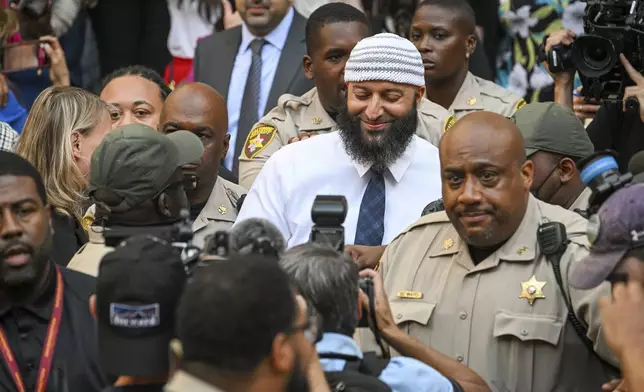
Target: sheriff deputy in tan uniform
column 329, row 44
column 555, row 139
column 444, row 34
column 135, row 180
column 472, row 281
column 214, row 201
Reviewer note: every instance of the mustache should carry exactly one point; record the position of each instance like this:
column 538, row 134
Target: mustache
column 18, row 244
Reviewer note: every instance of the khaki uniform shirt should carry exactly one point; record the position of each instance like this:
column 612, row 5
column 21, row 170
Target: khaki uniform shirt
column 295, row 115
column 184, row 382
column 89, row 256
column 220, row 211
column 505, row 318
column 478, row 94
column 582, row 200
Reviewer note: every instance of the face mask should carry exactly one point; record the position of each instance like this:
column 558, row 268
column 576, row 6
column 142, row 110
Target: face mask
column 535, row 192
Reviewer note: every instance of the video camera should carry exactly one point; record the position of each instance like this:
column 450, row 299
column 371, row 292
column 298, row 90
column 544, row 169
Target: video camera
column 600, row 172
column 611, row 27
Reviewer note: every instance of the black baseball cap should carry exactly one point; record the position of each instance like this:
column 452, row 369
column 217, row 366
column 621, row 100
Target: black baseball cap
column 138, row 289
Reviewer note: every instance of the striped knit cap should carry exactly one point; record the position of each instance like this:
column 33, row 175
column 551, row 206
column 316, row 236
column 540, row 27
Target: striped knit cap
column 385, row 57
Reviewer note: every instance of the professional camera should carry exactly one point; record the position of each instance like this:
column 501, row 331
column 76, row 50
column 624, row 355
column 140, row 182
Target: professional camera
column 611, row 27
column 328, row 214
column 600, row 172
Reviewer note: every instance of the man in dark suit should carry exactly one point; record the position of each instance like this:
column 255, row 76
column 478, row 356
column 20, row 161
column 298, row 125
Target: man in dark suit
column 254, row 64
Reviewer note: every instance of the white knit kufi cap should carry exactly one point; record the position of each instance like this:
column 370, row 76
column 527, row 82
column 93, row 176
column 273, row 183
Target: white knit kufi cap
column 385, row 57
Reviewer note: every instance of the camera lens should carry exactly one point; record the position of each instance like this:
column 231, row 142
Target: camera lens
column 594, row 56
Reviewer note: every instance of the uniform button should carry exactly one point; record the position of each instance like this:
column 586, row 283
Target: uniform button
column 30, row 365
column 463, row 315
column 399, row 316
column 459, row 358
column 24, row 336
column 524, row 332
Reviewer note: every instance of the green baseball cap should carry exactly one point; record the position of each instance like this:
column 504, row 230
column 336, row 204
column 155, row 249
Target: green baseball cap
column 550, row 127
column 134, row 162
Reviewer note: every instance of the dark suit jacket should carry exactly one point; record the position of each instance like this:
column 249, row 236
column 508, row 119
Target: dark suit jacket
column 215, row 55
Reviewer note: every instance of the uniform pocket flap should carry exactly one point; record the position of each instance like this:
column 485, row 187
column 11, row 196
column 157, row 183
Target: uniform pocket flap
column 528, row 327
column 411, row 310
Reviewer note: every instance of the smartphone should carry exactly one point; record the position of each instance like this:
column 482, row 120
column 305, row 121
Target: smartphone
column 21, row 56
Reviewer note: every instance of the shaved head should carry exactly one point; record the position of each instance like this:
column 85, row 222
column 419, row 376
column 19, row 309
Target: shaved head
column 200, row 109
column 486, row 178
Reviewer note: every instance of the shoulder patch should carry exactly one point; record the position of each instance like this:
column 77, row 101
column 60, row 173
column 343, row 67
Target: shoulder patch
column 449, row 122
column 260, row 137
column 520, row 103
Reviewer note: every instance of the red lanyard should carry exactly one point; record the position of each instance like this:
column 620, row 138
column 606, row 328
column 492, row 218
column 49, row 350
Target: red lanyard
column 48, row 348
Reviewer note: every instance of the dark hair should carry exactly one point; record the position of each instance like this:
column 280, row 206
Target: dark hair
column 14, row 165
column 461, row 7
column 328, row 280
column 555, row 158
column 329, row 14
column 205, row 8
column 231, row 312
column 144, row 72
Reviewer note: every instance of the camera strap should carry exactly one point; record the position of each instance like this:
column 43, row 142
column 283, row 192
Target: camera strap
column 376, row 332
column 47, row 356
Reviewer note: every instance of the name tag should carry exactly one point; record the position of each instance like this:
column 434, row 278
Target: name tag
column 409, row 294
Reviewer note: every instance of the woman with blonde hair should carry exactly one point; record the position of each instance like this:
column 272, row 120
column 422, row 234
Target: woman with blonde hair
column 64, row 127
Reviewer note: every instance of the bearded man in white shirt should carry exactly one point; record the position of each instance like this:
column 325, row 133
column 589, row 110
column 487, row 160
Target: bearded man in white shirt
column 387, row 174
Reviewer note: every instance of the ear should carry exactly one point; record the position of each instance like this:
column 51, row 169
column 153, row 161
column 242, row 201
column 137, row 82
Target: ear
column 307, row 64
column 283, row 354
column 92, row 305
column 420, row 93
column 163, row 205
column 567, row 168
column 226, row 146
column 75, row 140
column 470, row 45
column 527, row 172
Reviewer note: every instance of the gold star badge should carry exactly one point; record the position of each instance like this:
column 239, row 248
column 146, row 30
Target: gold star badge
column 521, row 251
column 316, row 120
column 448, row 243
column 471, row 101
column 222, row 210
column 532, row 289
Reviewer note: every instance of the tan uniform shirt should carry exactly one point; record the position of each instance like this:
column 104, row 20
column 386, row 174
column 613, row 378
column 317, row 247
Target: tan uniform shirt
column 505, row 318
column 184, row 382
column 295, row 115
column 89, row 256
column 582, row 200
column 220, row 211
column 478, row 94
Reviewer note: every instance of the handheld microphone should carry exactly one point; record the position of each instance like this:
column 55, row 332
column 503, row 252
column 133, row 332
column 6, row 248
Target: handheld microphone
column 256, row 235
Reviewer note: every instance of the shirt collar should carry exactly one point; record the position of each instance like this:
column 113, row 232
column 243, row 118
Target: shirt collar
column 398, row 168
column 468, row 96
column 335, row 343
column 41, row 303
column 277, row 37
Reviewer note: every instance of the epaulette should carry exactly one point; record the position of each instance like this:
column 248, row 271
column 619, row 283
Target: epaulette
column 491, row 89
column 429, row 219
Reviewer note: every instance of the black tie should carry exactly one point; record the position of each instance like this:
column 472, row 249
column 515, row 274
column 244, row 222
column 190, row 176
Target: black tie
column 250, row 102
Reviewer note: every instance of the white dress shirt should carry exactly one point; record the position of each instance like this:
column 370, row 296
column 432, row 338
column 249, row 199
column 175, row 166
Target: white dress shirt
column 271, row 53
column 285, row 189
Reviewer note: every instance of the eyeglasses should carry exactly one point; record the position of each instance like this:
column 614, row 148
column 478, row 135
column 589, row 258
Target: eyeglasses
column 312, row 329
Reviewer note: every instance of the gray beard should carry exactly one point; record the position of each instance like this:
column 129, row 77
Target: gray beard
column 381, row 153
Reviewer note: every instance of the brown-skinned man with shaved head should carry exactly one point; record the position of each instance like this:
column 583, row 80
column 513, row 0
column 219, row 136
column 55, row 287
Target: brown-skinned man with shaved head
column 472, row 281
column 200, row 109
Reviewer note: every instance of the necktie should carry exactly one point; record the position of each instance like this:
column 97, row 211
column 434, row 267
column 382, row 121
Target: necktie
column 371, row 220
column 250, row 101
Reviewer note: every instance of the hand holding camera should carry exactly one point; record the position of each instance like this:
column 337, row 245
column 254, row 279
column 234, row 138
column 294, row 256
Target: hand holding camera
column 384, row 319
column 633, row 94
